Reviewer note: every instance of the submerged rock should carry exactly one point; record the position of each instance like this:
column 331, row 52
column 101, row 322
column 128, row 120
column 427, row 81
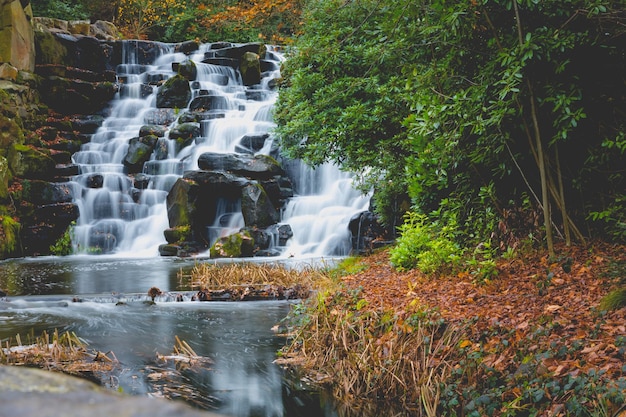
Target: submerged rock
column 26, row 392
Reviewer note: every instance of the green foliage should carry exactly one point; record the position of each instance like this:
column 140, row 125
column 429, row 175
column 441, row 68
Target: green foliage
column 63, row 246
column 60, row 9
column 614, row 300
column 348, row 266
column 447, row 100
column 9, row 232
column 426, row 245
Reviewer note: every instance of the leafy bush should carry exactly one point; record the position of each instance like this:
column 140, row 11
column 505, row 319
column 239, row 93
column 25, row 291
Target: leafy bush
column 59, row 9
column 63, row 246
column 426, row 245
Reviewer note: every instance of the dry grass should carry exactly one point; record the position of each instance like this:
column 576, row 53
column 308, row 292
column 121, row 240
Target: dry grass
column 372, row 358
column 223, row 276
column 178, row 382
column 64, row 352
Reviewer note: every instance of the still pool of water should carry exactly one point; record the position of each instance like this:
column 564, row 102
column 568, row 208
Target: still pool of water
column 241, row 380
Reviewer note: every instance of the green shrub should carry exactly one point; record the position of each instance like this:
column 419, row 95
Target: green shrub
column 63, row 246
column 425, row 245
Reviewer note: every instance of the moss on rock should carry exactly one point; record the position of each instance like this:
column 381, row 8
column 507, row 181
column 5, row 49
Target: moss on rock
column 237, row 245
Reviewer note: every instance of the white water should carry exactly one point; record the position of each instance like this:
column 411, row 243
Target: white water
column 111, row 218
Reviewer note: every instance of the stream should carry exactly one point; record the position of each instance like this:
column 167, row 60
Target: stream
column 81, row 294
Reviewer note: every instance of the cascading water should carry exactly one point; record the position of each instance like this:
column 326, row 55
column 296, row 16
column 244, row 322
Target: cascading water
column 117, row 216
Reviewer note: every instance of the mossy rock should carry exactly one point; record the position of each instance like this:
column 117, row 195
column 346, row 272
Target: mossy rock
column 184, row 134
column 49, row 49
column 237, row 245
column 10, row 132
column 177, row 234
column 28, row 162
column 175, row 93
column 139, row 151
column 5, row 178
column 250, row 68
column 179, row 205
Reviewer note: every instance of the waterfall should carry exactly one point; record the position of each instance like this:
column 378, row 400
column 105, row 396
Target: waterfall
column 127, row 214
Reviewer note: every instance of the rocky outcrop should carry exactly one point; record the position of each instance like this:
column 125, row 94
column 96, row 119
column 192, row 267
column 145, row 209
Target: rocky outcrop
column 26, row 392
column 249, row 184
column 174, row 93
column 17, row 42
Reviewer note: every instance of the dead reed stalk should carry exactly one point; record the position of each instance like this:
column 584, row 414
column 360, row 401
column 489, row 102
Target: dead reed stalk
column 377, row 357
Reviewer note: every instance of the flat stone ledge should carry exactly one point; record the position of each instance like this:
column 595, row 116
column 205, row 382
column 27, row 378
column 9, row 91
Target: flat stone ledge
column 28, row 392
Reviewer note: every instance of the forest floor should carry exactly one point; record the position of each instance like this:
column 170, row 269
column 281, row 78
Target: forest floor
column 536, row 335
column 527, row 292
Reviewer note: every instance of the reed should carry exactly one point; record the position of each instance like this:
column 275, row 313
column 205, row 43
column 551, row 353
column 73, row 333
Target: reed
column 373, row 358
column 222, row 276
column 63, row 352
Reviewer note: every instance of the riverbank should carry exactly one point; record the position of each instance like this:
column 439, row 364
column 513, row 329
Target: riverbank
column 535, row 340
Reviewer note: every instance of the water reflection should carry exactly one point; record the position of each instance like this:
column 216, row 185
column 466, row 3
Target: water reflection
column 242, row 379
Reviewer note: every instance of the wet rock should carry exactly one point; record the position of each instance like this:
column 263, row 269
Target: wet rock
column 141, row 181
column 58, row 215
column 187, row 47
column 95, row 181
column 237, row 245
column 250, row 68
column 43, row 192
column 163, row 117
column 365, row 229
column 256, row 207
column 156, row 130
column 208, row 102
column 225, row 62
column 27, row 392
column 254, row 142
column 87, row 124
column 282, row 231
column 139, row 151
column 177, row 234
column 186, row 68
column 236, row 52
column 184, row 134
column 67, row 170
column 256, row 167
column 174, row 93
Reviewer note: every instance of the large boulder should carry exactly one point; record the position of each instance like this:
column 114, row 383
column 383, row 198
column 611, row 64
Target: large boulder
column 256, row 207
column 250, row 69
column 26, row 392
column 194, row 201
column 184, row 134
column 139, row 151
column 250, row 166
column 187, row 69
column 174, row 93
column 17, row 39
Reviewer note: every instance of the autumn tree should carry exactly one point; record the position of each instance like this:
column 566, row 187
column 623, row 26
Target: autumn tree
column 137, row 18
